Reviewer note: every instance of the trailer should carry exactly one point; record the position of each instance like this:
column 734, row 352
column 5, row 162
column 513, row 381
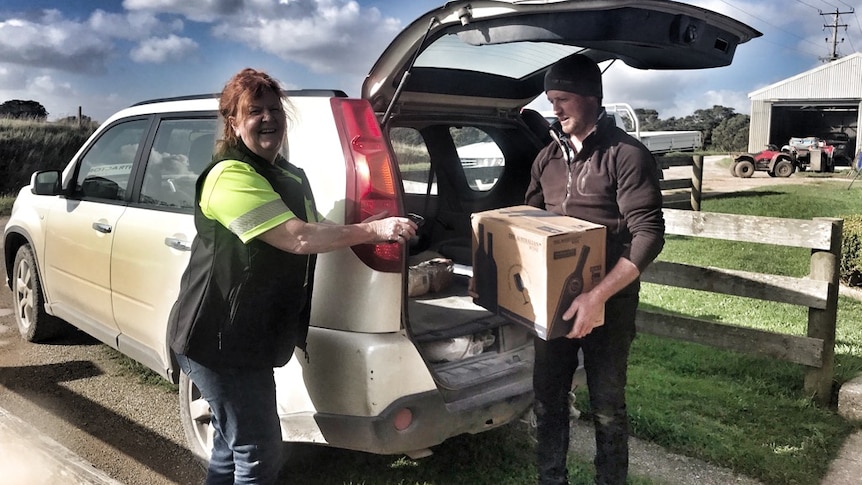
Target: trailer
column 658, row 142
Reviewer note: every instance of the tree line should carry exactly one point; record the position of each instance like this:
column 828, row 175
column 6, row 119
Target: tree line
column 723, row 129
column 29, row 110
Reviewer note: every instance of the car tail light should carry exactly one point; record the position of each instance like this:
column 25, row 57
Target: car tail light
column 373, row 184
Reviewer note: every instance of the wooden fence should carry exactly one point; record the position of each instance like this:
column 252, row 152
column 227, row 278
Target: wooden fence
column 683, row 193
column 818, row 291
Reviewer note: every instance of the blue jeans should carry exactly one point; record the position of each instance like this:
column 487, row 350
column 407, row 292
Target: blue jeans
column 247, row 444
column 606, row 351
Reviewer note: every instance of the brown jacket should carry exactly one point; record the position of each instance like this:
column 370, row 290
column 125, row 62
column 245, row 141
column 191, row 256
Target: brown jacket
column 613, row 181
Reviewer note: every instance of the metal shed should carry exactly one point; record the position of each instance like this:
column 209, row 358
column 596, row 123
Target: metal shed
column 818, row 102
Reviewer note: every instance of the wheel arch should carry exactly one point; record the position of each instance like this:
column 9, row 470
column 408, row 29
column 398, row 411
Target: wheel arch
column 777, row 158
column 16, row 237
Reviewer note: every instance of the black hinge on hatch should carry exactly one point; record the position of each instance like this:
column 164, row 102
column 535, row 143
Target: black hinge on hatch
column 465, row 14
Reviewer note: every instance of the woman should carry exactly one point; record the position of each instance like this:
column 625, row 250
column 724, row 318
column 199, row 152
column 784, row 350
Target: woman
column 244, row 297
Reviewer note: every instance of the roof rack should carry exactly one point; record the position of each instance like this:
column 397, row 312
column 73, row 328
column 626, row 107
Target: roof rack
column 332, row 93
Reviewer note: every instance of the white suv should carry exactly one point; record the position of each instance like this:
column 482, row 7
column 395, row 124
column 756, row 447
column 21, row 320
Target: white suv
column 102, row 245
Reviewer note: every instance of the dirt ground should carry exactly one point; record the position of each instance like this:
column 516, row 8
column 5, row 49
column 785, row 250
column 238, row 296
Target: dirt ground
column 717, row 179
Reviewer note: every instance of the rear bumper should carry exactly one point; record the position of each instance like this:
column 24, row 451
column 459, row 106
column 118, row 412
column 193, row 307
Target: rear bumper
column 433, row 422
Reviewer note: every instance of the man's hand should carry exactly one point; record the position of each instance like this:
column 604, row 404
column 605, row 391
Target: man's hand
column 585, row 310
column 588, row 306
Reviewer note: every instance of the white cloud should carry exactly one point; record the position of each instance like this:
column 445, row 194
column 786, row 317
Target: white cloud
column 135, row 25
column 54, row 42
column 335, row 36
column 164, row 49
column 196, row 10
column 45, row 84
column 49, row 40
column 11, row 78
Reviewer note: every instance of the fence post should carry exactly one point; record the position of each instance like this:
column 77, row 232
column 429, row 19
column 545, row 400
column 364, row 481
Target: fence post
column 696, row 181
column 821, row 323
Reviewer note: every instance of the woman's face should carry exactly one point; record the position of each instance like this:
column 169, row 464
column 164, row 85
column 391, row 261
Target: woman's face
column 261, row 125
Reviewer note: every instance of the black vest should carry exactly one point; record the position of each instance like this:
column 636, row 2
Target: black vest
column 244, row 305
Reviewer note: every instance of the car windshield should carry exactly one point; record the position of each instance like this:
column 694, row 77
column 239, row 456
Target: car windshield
column 514, row 60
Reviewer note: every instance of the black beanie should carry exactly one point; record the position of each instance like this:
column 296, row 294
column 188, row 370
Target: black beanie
column 575, row 74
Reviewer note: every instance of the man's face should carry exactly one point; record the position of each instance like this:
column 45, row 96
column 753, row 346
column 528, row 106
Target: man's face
column 577, row 114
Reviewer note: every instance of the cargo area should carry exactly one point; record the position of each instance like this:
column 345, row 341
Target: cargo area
column 450, row 170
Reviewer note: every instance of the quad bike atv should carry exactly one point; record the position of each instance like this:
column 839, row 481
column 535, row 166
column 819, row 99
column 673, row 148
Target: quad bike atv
column 803, row 148
column 773, row 161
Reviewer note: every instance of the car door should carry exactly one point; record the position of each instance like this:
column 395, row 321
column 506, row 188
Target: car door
column 153, row 238
column 80, row 230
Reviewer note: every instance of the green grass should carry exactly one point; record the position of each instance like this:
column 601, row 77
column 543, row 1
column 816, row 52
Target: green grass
column 144, row 374
column 745, row 413
column 6, row 202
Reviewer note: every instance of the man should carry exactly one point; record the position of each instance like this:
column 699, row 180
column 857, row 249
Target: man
column 596, row 172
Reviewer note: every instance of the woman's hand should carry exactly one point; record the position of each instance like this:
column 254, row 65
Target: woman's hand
column 391, row 229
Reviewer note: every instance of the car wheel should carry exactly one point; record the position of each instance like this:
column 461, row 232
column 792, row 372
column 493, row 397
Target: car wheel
column 783, row 168
column 34, row 323
column 195, row 416
column 744, row 169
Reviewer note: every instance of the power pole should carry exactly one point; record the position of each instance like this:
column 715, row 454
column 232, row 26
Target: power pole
column 834, row 28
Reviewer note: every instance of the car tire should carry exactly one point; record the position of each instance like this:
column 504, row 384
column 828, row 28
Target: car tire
column 733, row 168
column 783, row 168
column 34, row 323
column 744, row 169
column 195, row 417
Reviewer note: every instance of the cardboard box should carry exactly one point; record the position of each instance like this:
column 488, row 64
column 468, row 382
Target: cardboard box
column 529, row 264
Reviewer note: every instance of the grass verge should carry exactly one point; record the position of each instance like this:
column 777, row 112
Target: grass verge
column 741, row 412
column 6, row 202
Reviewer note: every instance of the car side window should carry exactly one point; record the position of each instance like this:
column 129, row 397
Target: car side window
column 182, row 148
column 414, row 160
column 105, row 168
column 481, row 157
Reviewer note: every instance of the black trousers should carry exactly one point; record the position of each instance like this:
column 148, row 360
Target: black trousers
column 606, row 352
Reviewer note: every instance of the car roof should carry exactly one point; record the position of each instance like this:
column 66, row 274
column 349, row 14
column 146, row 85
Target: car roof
column 205, row 102
column 489, row 54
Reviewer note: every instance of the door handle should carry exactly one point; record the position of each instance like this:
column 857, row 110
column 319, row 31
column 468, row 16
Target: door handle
column 178, row 244
column 102, row 227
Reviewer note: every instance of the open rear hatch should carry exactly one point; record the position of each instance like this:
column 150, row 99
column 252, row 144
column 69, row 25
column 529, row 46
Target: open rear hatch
column 486, row 59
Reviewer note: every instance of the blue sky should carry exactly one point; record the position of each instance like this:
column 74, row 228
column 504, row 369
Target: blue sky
column 104, row 55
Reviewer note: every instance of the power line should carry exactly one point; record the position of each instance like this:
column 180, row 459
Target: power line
column 808, row 4
column 852, row 11
column 788, row 32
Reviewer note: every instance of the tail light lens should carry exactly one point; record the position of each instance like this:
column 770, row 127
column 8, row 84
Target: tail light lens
column 373, row 184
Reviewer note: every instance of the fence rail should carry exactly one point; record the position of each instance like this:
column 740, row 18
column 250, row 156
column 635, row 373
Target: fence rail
column 818, row 291
column 684, row 193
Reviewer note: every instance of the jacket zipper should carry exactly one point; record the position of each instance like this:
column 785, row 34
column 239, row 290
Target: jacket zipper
column 233, row 297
